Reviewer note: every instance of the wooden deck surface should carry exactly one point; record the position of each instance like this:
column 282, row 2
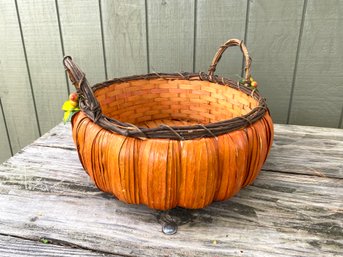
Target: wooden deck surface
column 49, row 206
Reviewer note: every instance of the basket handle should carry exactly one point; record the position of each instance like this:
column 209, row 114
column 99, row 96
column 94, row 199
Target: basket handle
column 221, row 50
column 88, row 102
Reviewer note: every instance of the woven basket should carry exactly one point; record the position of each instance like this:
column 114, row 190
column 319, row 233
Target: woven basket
column 168, row 140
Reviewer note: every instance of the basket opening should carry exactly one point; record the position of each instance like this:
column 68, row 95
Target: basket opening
column 177, row 102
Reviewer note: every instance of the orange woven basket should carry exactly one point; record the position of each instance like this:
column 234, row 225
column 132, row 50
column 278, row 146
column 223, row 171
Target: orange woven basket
column 167, row 140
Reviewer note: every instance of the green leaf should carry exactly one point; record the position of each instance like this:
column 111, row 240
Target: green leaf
column 68, row 115
column 44, row 241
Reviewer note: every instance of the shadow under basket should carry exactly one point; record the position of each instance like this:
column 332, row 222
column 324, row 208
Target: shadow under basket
column 167, row 140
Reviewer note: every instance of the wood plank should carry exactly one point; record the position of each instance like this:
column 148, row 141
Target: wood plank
column 218, row 21
column 171, row 35
column 15, row 89
column 307, row 150
column 281, row 214
column 58, row 137
column 125, row 37
column 318, row 93
column 41, row 35
column 18, row 247
column 5, row 150
column 273, row 33
column 80, row 22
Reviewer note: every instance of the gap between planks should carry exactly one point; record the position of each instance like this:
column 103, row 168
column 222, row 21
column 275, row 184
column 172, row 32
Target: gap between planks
column 62, row 248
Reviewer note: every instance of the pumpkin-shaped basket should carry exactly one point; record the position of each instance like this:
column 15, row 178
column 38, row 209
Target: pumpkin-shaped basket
column 167, row 140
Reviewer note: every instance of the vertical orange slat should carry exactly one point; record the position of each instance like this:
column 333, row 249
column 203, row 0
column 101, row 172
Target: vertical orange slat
column 188, row 170
column 106, row 178
column 173, row 170
column 79, row 124
column 240, row 143
column 212, row 170
column 153, row 166
column 115, row 145
column 97, row 160
column 90, row 134
column 127, row 159
column 233, row 162
column 262, row 145
column 225, row 168
column 253, row 153
column 199, row 172
column 143, row 168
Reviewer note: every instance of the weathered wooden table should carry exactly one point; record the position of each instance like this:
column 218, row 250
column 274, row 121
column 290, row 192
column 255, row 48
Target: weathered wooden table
column 49, row 207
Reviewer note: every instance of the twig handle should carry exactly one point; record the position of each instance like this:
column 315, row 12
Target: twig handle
column 221, row 50
column 88, row 101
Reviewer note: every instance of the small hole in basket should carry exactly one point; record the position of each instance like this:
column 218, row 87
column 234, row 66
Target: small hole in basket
column 174, row 102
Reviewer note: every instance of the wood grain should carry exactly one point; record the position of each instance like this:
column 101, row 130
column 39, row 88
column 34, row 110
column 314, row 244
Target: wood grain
column 80, row 22
column 15, row 89
column 273, row 33
column 41, row 36
column 125, row 38
column 217, row 21
column 18, row 247
column 307, row 150
column 282, row 213
column 318, row 93
column 171, row 35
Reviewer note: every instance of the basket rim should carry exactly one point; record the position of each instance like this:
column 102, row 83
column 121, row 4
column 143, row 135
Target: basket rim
column 91, row 107
column 214, row 129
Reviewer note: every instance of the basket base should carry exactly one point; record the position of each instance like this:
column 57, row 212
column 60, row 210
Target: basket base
column 169, row 122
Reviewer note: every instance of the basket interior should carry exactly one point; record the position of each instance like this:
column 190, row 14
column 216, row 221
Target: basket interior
column 149, row 103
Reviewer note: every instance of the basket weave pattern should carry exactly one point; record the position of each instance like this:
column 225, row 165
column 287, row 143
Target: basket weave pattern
column 138, row 101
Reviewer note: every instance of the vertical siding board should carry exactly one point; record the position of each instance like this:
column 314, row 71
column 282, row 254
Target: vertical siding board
column 43, row 46
column 15, row 89
column 295, row 69
column 80, row 22
column 318, row 90
column 247, row 16
column 147, row 36
column 218, row 21
column 5, row 147
column 102, row 39
column 195, row 29
column 272, row 41
column 61, row 40
column 171, row 35
column 124, row 35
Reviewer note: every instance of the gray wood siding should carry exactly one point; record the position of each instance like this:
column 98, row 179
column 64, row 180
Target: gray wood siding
column 124, row 37
column 15, row 86
column 318, row 89
column 214, row 26
column 44, row 53
column 81, row 36
column 295, row 46
column 272, row 40
column 171, row 35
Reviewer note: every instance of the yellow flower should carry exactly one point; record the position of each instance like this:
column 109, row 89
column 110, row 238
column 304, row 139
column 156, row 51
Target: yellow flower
column 70, row 108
